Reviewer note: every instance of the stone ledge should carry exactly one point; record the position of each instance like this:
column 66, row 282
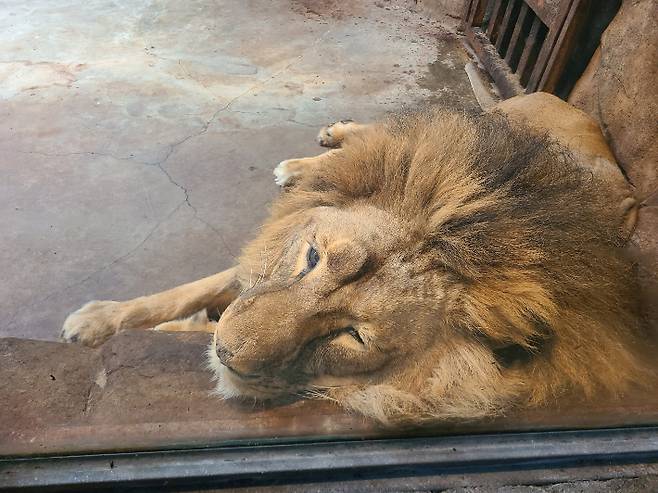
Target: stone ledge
column 140, row 390
column 146, row 390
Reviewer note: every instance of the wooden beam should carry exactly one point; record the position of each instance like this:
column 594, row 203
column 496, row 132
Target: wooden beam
column 476, row 13
column 530, row 42
column 508, row 83
column 548, row 45
column 491, row 28
column 546, row 10
column 504, row 26
column 518, row 28
column 563, row 45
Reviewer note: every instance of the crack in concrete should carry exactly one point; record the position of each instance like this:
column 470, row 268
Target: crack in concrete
column 219, row 234
column 289, row 120
column 88, row 398
column 191, row 77
column 309, row 125
column 215, row 115
column 85, row 153
column 160, row 165
column 122, row 257
column 183, row 189
column 134, row 249
column 204, row 129
column 225, row 107
column 195, row 211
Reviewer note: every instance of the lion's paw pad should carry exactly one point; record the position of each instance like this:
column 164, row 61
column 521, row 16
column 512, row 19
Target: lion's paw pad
column 92, row 324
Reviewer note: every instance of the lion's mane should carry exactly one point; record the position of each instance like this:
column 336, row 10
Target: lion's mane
column 527, row 235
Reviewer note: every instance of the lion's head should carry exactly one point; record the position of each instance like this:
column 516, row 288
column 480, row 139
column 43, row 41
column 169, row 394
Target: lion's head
column 440, row 265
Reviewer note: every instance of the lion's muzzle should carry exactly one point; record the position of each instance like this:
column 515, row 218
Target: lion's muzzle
column 261, row 339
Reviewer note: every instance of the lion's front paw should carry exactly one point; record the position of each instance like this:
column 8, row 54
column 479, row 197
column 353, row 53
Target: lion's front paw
column 284, row 173
column 92, row 324
column 332, row 135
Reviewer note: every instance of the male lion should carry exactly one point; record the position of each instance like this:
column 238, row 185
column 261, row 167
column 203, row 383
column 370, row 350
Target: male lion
column 437, row 265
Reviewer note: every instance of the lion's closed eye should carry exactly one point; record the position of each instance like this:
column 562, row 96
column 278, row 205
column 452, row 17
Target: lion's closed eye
column 351, row 338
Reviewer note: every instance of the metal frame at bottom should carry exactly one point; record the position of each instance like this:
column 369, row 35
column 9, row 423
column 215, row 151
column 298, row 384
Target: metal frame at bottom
column 365, row 465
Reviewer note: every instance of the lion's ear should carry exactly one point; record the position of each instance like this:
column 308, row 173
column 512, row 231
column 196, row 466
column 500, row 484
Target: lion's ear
column 508, row 354
column 629, row 210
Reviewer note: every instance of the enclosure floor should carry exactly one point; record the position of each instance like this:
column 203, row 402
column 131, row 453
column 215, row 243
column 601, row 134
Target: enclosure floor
column 138, row 138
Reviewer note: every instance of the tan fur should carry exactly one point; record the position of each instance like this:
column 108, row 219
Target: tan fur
column 580, row 133
column 464, row 265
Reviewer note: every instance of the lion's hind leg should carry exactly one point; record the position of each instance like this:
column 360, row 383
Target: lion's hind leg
column 330, row 136
column 333, row 135
column 199, row 322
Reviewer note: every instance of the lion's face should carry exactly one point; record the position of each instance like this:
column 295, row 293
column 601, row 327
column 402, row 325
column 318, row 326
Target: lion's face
column 334, row 310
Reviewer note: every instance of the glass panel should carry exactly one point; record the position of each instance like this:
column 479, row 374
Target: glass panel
column 453, row 272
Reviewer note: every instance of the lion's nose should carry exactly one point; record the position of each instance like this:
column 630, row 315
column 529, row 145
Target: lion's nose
column 224, row 354
column 236, row 365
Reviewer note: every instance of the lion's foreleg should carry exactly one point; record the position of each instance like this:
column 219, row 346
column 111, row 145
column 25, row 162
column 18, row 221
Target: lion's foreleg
column 98, row 320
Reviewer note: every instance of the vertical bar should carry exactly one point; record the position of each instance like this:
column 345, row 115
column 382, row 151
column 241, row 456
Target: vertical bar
column 538, row 66
column 546, row 10
column 466, row 14
column 564, row 43
column 477, row 12
column 523, row 13
column 504, row 26
column 529, row 45
column 494, row 18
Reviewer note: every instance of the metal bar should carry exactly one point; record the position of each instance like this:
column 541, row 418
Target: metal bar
column 504, row 26
column 513, row 43
column 527, row 49
column 333, row 461
column 492, row 20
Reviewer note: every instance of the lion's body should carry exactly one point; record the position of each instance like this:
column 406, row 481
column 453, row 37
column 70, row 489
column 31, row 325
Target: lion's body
column 436, row 266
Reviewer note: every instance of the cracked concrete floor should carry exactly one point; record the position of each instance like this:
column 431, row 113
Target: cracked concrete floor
column 138, row 138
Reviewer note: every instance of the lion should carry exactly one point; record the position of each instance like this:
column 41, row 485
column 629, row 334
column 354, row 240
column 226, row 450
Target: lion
column 438, row 265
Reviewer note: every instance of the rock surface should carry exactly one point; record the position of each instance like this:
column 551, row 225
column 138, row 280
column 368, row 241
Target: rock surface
column 146, row 389
column 645, row 246
column 141, row 389
column 44, row 384
column 619, row 89
column 635, row 485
